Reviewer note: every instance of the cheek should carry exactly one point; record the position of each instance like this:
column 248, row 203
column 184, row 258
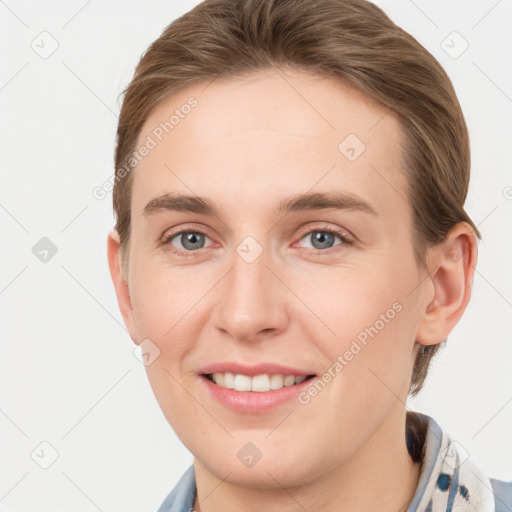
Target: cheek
column 348, row 299
column 369, row 358
column 164, row 302
column 370, row 315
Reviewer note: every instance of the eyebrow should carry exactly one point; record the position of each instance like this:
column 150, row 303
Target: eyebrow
column 296, row 203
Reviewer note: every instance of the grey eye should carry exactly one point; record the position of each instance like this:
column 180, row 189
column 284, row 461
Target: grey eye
column 321, row 239
column 191, row 240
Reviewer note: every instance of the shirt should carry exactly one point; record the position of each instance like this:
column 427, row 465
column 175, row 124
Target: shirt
column 448, row 482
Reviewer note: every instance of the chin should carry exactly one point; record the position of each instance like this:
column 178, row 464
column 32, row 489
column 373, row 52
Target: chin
column 266, row 473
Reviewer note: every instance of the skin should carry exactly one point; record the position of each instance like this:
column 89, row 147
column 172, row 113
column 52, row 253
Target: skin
column 249, row 143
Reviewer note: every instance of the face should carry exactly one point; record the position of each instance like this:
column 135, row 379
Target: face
column 328, row 290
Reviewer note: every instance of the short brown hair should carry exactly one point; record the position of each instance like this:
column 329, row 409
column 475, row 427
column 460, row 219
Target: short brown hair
column 349, row 40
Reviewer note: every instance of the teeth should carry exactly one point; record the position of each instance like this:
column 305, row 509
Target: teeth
column 276, row 381
column 258, row 383
column 229, row 380
column 289, row 380
column 242, row 382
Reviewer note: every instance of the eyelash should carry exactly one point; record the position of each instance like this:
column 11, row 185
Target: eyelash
column 346, row 239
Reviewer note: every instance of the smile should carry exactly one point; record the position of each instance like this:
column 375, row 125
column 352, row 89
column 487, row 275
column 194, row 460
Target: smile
column 257, row 383
column 255, row 394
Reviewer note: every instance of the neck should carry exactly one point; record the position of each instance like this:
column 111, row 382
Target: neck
column 381, row 475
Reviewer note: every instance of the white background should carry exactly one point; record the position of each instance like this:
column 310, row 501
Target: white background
column 68, row 375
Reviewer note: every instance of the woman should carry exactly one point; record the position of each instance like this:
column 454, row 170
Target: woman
column 291, row 249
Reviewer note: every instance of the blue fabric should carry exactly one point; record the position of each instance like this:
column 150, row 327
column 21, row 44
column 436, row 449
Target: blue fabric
column 181, row 498
column 502, row 495
column 432, row 449
column 430, row 491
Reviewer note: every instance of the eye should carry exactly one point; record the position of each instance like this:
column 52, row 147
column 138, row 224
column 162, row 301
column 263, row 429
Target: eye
column 191, row 241
column 322, row 239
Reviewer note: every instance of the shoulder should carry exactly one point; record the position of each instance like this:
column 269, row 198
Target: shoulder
column 502, row 495
column 181, row 498
column 447, row 473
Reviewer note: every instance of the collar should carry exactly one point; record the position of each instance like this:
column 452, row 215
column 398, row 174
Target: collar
column 449, row 481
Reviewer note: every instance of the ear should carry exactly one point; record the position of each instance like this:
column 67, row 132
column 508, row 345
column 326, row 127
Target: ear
column 452, row 265
column 120, row 285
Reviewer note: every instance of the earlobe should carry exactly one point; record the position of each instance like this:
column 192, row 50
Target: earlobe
column 121, row 286
column 453, row 264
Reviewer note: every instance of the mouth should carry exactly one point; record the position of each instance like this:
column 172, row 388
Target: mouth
column 263, row 383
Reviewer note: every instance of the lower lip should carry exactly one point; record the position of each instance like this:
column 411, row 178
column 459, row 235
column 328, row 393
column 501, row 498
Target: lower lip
column 254, row 401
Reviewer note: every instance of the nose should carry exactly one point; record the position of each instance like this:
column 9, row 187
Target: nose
column 253, row 301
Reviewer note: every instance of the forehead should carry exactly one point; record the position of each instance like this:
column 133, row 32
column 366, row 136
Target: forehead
column 266, row 135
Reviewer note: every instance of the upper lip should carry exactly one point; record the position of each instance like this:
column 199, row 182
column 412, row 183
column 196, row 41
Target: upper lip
column 252, row 370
